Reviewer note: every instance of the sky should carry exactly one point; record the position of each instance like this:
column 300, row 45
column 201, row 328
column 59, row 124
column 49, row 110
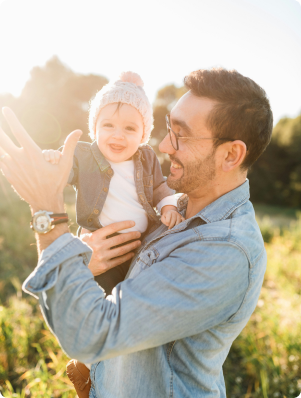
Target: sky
column 162, row 40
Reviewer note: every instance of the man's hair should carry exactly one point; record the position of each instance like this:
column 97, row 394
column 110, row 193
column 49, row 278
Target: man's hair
column 242, row 111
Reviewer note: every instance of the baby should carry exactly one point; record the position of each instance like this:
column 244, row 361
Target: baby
column 118, row 177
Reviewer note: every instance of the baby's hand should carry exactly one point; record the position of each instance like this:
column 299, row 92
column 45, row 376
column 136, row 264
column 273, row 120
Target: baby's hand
column 170, row 216
column 52, row 156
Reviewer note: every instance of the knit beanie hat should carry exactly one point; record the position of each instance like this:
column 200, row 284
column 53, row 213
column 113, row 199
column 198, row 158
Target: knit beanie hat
column 127, row 90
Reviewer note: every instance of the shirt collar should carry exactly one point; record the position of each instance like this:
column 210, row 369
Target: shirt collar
column 222, row 207
column 102, row 162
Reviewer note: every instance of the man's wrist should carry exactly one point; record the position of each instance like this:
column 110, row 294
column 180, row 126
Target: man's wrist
column 56, row 205
column 45, row 240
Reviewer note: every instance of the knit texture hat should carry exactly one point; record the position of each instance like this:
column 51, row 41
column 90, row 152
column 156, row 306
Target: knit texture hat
column 128, row 89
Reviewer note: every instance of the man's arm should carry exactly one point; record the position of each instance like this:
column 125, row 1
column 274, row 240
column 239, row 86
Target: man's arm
column 191, row 291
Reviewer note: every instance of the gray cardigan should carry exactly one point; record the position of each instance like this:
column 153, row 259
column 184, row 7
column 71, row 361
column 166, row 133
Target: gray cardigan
column 91, row 175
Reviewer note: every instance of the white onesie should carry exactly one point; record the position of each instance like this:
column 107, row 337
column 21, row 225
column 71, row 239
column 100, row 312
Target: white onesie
column 122, row 202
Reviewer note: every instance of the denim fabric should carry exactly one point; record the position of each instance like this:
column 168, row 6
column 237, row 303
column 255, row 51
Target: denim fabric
column 91, row 175
column 167, row 329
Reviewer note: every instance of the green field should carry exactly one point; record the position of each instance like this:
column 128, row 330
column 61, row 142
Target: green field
column 264, row 361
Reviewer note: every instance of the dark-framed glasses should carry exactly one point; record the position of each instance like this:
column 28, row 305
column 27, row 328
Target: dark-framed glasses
column 174, row 138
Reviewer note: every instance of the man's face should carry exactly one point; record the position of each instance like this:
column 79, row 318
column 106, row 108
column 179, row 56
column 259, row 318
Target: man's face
column 193, row 165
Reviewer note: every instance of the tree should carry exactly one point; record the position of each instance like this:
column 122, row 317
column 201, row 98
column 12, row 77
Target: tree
column 55, row 101
column 276, row 176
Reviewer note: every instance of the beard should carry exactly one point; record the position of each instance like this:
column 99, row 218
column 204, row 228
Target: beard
column 195, row 174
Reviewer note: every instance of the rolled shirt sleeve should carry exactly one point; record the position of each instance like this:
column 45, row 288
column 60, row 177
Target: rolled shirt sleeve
column 197, row 287
column 171, row 200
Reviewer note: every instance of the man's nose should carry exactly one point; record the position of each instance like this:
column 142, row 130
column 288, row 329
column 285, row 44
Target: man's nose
column 165, row 146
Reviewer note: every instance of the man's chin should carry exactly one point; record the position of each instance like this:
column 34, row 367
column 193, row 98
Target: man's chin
column 173, row 183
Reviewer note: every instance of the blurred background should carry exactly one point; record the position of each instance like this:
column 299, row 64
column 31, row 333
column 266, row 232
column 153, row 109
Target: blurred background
column 54, row 57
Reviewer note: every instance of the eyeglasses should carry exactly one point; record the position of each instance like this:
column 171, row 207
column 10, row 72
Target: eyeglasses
column 174, row 138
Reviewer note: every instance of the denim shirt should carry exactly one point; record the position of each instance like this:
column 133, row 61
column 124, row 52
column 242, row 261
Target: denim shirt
column 167, row 329
column 91, row 175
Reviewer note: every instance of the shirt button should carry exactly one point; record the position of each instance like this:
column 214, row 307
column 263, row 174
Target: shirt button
column 138, row 174
column 151, row 182
column 105, row 189
column 96, row 211
column 110, row 171
column 89, row 219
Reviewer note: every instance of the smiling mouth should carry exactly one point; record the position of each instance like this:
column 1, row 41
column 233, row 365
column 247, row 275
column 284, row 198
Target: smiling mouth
column 176, row 165
column 116, row 147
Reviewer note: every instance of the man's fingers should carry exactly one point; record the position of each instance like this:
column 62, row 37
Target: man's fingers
column 112, row 228
column 119, row 260
column 122, row 238
column 119, row 251
column 18, row 130
column 7, row 144
column 70, row 144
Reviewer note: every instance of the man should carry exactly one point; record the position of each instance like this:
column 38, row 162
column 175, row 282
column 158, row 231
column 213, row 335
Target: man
column 167, row 329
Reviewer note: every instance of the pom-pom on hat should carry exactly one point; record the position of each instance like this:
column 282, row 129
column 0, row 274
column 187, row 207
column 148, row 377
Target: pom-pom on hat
column 128, row 89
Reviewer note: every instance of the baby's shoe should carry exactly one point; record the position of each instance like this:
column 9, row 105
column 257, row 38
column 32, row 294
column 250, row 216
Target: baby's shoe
column 79, row 375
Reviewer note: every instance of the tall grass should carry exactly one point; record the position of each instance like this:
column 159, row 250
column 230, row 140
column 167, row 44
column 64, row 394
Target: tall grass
column 264, row 361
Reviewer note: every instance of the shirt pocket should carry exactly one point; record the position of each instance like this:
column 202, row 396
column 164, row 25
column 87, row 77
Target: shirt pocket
column 144, row 261
column 148, row 186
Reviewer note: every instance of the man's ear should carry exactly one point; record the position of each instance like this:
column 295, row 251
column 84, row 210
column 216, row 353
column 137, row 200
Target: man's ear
column 235, row 154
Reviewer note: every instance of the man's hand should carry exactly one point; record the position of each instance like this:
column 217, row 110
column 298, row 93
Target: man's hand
column 103, row 258
column 38, row 182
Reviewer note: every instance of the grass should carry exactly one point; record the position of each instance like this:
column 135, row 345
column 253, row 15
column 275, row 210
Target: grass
column 264, row 361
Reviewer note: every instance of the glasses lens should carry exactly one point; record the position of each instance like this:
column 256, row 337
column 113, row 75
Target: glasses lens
column 173, row 138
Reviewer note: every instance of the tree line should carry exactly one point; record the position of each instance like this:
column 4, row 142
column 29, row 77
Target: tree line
column 55, row 101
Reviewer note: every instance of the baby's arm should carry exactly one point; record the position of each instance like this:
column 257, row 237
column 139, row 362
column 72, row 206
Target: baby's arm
column 169, row 213
column 170, row 216
column 52, row 156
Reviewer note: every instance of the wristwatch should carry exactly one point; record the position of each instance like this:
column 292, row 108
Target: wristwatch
column 44, row 221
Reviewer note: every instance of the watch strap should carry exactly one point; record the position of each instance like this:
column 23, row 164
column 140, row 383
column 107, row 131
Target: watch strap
column 59, row 218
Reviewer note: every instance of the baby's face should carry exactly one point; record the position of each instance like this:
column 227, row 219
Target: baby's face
column 119, row 132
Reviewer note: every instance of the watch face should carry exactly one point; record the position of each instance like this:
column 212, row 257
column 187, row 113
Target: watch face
column 42, row 223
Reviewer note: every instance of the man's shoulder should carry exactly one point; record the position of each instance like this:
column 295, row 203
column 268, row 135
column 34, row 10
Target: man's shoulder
column 239, row 230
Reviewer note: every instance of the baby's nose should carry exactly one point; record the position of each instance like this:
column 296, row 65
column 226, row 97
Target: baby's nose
column 118, row 134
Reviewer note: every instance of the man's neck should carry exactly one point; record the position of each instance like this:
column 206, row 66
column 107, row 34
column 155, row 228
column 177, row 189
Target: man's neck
column 198, row 200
